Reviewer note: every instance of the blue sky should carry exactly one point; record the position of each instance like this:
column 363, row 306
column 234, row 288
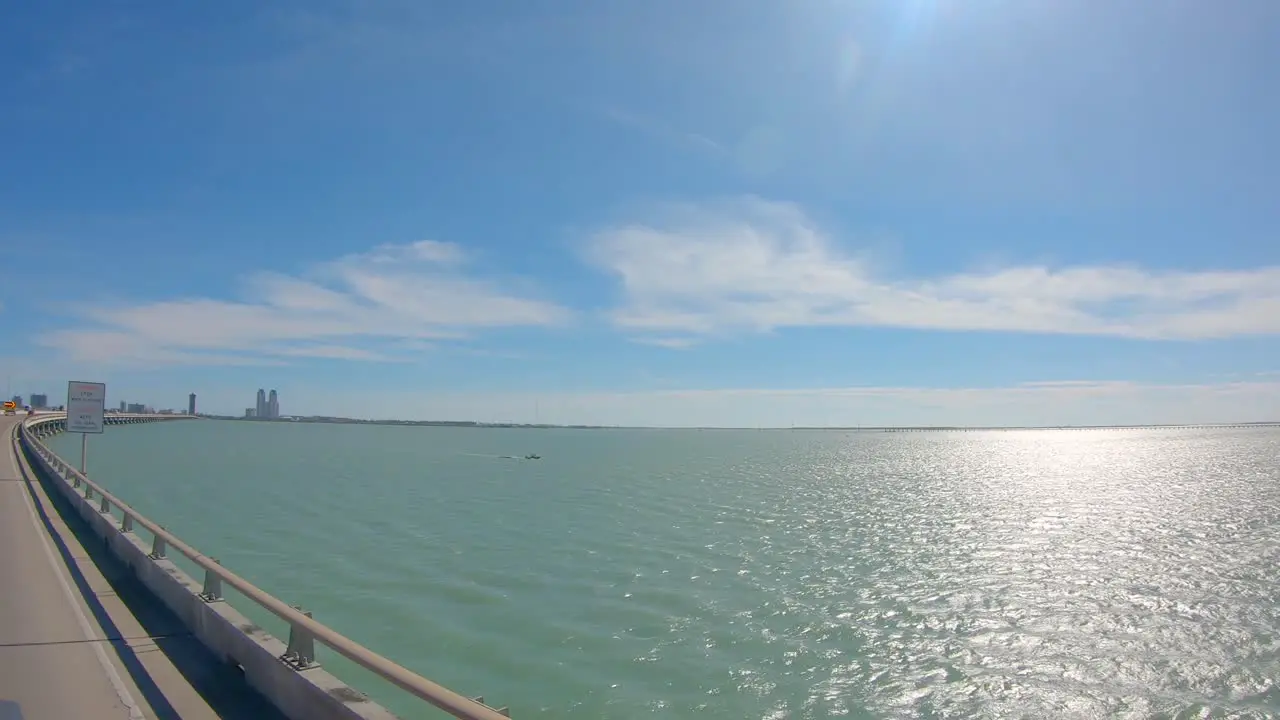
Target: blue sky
column 726, row 212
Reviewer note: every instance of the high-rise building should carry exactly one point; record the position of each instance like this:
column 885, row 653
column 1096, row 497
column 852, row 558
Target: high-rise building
column 39, row 401
column 191, row 404
column 260, row 408
column 17, row 400
column 136, row 408
column 122, row 406
column 273, row 406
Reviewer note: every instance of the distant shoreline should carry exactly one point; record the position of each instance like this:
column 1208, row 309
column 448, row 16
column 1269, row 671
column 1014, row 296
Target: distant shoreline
column 325, row 420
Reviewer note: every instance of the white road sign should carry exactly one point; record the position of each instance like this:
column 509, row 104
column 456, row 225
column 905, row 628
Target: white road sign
column 85, row 403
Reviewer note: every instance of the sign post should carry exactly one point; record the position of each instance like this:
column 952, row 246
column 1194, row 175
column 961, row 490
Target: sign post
column 86, row 402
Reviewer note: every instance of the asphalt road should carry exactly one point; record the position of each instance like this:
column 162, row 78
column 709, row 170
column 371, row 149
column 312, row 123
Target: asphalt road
column 80, row 638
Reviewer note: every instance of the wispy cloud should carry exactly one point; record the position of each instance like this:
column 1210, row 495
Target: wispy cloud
column 667, row 342
column 332, row 352
column 127, row 348
column 661, row 131
column 754, row 265
column 1053, row 389
column 345, row 309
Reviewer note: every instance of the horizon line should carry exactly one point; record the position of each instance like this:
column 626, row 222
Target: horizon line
column 335, row 420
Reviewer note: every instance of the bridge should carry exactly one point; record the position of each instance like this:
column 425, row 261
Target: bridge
column 98, row 622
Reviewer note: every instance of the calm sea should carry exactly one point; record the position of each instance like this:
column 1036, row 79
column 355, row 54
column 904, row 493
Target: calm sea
column 752, row 574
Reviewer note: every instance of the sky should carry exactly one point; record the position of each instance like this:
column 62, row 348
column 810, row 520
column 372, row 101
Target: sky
column 728, row 213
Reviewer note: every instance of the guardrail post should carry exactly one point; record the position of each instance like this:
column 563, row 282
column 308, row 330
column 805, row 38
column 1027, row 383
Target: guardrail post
column 104, row 507
column 212, row 585
column 504, row 711
column 157, row 548
column 88, row 492
column 126, row 523
column 301, row 653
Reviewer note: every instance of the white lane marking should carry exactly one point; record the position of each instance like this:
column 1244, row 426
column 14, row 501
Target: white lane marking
column 13, row 456
column 122, row 692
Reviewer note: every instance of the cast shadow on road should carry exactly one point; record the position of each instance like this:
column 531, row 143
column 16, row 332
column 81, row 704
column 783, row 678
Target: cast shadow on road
column 221, row 685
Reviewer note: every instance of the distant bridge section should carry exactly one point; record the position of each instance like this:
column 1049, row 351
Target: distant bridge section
column 47, row 423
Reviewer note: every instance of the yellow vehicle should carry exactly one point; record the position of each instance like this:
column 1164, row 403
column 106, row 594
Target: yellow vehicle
column 10, row 407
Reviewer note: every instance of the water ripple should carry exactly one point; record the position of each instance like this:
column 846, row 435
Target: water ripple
column 759, row 574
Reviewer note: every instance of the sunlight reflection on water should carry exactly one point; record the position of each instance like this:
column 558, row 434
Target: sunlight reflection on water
column 761, row 575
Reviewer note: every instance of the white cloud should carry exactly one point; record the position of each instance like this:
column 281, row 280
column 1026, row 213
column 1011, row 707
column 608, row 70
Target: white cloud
column 667, row 342
column 658, row 130
column 331, row 352
column 430, row 251
column 390, row 295
column 752, row 265
column 126, row 348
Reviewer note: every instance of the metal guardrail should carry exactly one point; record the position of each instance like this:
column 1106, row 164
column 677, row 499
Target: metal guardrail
column 303, row 630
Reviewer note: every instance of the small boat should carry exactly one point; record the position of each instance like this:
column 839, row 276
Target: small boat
column 533, row 456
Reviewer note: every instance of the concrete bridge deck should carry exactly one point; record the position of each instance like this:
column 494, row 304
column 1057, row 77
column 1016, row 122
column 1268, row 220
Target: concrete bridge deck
column 80, row 637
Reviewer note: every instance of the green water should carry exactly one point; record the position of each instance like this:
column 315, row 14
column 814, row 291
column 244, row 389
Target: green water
column 746, row 574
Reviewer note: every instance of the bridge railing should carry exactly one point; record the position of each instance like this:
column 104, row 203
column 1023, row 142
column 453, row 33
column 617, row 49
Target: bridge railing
column 304, row 631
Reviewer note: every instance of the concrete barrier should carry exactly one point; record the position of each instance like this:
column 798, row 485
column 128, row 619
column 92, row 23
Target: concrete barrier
column 286, row 674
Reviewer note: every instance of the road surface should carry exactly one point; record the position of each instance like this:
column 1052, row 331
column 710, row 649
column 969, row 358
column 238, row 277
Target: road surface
column 80, row 638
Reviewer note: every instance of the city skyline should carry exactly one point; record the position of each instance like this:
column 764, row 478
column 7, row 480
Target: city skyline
column 1239, row 406
column 267, row 406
